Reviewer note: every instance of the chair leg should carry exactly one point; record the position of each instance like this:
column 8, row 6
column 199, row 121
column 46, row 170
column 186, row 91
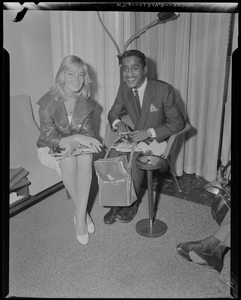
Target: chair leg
column 173, row 172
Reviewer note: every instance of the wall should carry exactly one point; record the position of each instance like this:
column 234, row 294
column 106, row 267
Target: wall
column 29, row 45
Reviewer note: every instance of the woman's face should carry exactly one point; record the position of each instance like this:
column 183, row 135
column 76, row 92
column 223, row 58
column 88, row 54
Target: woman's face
column 74, row 78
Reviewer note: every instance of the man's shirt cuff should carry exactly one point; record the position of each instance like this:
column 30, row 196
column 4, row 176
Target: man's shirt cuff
column 114, row 124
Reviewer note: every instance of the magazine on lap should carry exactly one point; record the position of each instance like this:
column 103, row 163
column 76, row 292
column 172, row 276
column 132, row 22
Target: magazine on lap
column 145, row 146
column 57, row 153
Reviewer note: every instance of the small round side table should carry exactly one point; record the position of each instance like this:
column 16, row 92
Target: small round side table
column 151, row 227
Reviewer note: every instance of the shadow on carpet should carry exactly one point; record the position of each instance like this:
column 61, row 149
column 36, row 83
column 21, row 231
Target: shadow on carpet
column 192, row 186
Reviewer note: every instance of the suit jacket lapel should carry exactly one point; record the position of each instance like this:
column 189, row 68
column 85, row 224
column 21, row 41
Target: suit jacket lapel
column 60, row 114
column 81, row 110
column 147, row 100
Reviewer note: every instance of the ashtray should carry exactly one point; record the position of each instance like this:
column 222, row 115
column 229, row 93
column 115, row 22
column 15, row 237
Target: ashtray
column 150, row 159
column 152, row 162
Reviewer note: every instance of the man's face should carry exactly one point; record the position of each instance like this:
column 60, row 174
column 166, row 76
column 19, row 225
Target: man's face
column 134, row 73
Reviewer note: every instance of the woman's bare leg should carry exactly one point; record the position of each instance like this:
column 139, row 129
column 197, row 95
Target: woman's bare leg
column 84, row 178
column 69, row 171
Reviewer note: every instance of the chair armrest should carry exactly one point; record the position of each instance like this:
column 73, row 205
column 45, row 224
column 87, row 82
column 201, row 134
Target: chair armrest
column 172, row 140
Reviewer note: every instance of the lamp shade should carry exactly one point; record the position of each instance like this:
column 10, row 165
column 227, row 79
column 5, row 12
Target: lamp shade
column 167, row 16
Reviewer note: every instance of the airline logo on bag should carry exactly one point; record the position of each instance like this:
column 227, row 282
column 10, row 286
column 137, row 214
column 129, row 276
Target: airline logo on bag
column 112, row 179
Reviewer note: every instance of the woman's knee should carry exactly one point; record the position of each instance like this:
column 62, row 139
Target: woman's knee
column 68, row 163
column 85, row 161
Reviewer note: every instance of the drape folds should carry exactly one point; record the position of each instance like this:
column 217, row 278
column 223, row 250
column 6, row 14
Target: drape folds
column 189, row 53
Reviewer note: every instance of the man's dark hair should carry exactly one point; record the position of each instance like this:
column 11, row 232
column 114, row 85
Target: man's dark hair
column 137, row 53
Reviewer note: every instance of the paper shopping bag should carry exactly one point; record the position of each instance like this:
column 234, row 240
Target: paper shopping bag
column 115, row 182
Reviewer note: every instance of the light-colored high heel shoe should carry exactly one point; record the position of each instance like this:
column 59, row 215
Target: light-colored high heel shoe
column 91, row 226
column 82, row 239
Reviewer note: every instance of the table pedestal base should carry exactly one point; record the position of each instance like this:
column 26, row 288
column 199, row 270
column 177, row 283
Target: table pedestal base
column 158, row 228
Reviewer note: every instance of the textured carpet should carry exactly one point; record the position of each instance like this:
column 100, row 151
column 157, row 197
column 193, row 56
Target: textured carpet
column 192, row 186
column 46, row 260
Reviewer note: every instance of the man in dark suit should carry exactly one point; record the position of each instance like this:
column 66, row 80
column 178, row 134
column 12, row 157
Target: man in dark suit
column 152, row 108
column 210, row 251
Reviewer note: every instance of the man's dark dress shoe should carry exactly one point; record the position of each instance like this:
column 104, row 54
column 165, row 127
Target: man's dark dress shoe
column 109, row 218
column 203, row 253
column 126, row 214
column 213, row 260
column 184, row 248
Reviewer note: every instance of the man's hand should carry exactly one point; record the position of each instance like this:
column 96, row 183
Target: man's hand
column 122, row 129
column 139, row 135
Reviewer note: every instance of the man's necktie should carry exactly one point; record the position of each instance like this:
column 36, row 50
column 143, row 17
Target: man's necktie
column 137, row 99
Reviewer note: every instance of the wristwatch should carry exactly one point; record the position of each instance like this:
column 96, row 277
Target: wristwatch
column 149, row 132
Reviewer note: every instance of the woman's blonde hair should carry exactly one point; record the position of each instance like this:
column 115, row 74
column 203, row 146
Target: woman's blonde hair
column 59, row 88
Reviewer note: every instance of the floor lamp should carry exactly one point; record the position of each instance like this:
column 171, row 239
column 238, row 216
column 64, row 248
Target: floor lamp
column 162, row 17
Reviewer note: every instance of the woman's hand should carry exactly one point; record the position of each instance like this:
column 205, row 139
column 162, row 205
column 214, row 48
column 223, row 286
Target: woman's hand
column 69, row 147
column 89, row 142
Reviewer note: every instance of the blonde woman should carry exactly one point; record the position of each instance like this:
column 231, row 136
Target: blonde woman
column 66, row 114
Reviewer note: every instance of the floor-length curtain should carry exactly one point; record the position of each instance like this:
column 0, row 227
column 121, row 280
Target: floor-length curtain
column 226, row 138
column 190, row 53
